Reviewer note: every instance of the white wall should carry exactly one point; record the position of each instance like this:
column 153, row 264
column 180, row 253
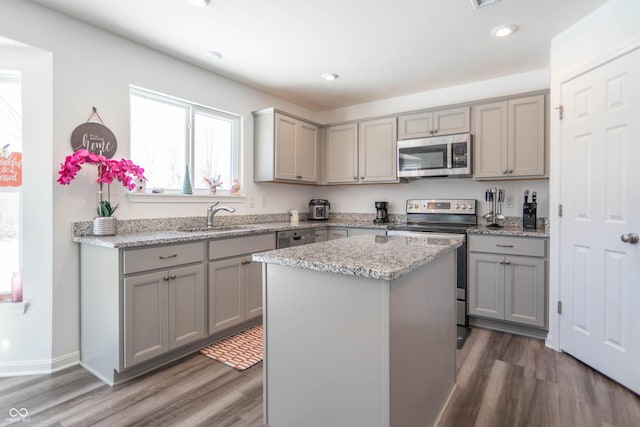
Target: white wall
column 26, row 340
column 604, row 34
column 360, row 198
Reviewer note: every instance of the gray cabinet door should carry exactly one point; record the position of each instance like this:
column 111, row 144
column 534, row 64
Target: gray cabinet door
column 342, row 153
column 337, row 233
column 486, row 285
column 146, row 322
column 524, row 290
column 491, row 132
column 186, row 305
column 377, row 151
column 285, row 148
column 226, row 294
column 526, row 136
column 369, row 231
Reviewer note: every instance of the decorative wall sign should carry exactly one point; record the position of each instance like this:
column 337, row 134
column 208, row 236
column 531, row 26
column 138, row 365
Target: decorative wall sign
column 11, row 169
column 94, row 137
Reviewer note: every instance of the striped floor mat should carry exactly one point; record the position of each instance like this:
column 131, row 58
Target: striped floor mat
column 240, row 351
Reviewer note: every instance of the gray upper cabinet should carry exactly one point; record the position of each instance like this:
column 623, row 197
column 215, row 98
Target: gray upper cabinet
column 509, row 138
column 377, row 151
column 285, row 148
column 434, row 123
column 362, row 152
column 342, row 154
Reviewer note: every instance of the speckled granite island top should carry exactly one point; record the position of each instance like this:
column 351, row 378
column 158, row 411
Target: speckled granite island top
column 375, row 257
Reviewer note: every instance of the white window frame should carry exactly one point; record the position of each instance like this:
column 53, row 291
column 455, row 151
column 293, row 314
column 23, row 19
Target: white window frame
column 199, row 194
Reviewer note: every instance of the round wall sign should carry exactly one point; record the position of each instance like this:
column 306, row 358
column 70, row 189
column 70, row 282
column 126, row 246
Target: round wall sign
column 95, row 138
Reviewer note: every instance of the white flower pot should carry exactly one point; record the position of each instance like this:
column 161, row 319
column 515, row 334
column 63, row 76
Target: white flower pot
column 105, row 226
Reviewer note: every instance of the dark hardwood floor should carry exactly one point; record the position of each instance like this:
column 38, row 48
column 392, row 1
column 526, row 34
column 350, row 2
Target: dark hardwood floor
column 503, row 380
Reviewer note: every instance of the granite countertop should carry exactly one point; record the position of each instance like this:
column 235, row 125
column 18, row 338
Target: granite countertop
column 375, row 257
column 514, row 231
column 157, row 231
column 157, row 237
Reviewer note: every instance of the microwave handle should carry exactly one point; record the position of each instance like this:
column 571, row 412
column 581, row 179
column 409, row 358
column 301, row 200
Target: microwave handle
column 449, row 162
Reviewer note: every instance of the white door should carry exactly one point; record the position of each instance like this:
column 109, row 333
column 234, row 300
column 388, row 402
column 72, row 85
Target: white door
column 600, row 193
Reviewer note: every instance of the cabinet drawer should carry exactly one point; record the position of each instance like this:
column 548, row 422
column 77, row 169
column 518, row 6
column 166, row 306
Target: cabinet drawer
column 508, row 245
column 225, row 248
column 136, row 260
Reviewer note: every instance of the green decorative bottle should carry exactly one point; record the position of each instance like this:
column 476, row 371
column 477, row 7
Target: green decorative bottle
column 186, row 184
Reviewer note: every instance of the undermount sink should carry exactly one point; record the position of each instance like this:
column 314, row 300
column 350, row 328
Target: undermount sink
column 215, row 228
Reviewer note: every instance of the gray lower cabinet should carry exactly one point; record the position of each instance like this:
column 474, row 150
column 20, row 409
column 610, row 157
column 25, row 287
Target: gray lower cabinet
column 337, row 233
column 369, row 231
column 163, row 310
column 235, row 282
column 322, row 235
column 507, row 279
column 140, row 307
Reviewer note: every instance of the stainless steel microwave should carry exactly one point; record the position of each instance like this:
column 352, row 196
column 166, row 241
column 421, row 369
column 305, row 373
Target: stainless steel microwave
column 448, row 155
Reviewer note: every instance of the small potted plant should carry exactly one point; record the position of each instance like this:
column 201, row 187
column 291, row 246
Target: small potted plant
column 105, row 224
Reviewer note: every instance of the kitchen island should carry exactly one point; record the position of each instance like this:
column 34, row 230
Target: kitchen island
column 359, row 332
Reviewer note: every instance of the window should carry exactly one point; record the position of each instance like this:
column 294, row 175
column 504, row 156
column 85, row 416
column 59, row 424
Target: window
column 170, row 136
column 10, row 179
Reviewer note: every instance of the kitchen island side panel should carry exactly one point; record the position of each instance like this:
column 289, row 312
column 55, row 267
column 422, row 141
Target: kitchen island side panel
column 422, row 337
column 100, row 311
column 326, row 349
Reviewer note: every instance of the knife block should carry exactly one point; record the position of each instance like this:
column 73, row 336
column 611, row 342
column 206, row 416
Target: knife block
column 529, row 215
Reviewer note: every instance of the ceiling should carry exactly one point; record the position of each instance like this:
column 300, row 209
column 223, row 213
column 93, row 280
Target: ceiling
column 379, row 49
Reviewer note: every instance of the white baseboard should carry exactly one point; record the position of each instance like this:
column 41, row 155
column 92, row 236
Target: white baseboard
column 39, row 367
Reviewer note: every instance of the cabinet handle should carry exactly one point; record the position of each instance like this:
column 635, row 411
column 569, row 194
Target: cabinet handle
column 436, row 131
column 172, row 277
column 504, row 172
column 168, row 256
column 507, row 262
column 362, row 177
column 246, row 262
column 510, row 171
column 355, row 178
column 165, row 278
column 504, row 246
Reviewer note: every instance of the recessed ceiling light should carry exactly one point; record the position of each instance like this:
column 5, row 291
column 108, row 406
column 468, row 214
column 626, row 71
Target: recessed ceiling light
column 504, row 30
column 213, row 55
column 329, row 76
column 481, row 3
column 199, row 3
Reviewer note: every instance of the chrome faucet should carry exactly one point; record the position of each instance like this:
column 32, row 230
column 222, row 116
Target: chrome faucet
column 214, row 209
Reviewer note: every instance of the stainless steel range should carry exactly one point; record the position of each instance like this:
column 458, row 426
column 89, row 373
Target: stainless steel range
column 444, row 218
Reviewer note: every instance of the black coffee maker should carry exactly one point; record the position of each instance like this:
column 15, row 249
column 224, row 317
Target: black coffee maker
column 529, row 211
column 381, row 212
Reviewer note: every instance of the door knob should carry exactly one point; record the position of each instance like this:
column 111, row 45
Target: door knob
column 630, row 238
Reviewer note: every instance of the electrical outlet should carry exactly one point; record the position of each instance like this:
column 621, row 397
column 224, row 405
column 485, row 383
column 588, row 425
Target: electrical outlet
column 252, row 202
column 509, row 200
